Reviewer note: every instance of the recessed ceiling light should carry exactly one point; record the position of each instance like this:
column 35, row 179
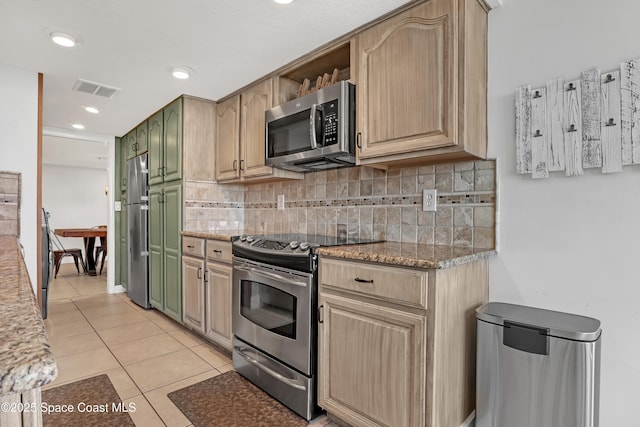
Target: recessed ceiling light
column 92, row 110
column 283, row 1
column 181, row 73
column 63, row 39
column 77, row 126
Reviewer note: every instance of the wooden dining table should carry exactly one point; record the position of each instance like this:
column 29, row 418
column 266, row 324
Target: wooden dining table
column 89, row 236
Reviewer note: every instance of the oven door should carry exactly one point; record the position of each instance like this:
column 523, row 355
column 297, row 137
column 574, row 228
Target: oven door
column 272, row 310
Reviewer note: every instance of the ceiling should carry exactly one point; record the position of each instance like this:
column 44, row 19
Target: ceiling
column 131, row 45
column 62, row 151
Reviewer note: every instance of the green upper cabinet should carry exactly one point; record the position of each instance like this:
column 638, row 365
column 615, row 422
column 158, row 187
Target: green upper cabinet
column 131, row 140
column 156, row 147
column 172, row 162
column 165, row 144
column 142, row 138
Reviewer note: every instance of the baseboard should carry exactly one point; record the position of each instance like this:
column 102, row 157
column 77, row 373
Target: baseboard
column 118, row 289
column 470, row 421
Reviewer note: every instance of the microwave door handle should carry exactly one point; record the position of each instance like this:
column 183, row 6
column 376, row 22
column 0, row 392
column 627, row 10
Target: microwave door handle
column 312, row 125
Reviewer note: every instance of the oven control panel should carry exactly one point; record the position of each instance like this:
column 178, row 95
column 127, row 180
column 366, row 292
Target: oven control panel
column 292, row 247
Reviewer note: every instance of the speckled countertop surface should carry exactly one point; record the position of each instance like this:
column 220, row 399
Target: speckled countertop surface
column 408, row 254
column 214, row 235
column 26, row 361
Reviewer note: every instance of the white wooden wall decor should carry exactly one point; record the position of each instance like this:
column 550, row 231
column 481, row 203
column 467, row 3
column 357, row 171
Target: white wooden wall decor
column 555, row 121
column 523, row 129
column 610, row 122
column 539, row 151
column 589, row 122
column 572, row 129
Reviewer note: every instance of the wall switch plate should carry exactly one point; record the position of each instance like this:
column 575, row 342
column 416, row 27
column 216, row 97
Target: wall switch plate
column 280, row 202
column 117, row 205
column 429, row 200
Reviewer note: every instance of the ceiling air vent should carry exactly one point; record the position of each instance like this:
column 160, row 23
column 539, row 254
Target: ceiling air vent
column 94, row 88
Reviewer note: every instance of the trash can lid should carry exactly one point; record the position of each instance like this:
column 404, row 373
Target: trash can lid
column 558, row 324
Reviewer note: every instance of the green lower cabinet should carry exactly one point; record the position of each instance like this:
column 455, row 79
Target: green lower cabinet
column 165, row 248
column 123, row 243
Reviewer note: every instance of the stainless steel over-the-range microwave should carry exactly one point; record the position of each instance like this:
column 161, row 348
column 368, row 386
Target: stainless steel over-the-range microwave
column 313, row 132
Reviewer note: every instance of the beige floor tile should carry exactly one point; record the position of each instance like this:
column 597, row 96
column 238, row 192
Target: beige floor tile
column 84, row 365
column 65, row 317
column 106, row 310
column 185, row 337
column 65, row 346
column 123, row 383
column 67, row 329
column 144, row 415
column 96, row 300
column 169, row 368
column 225, row 368
column 114, row 320
column 90, row 289
column 132, row 332
column 61, row 306
column 145, row 348
column 61, row 290
column 163, row 321
column 211, row 355
column 169, row 413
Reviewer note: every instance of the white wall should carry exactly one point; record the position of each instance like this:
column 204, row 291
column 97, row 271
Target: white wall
column 75, row 198
column 568, row 244
column 18, row 150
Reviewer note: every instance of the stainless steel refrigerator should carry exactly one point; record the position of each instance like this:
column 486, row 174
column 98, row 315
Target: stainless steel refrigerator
column 137, row 230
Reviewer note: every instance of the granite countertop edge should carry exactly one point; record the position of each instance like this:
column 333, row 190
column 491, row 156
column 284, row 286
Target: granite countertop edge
column 408, row 254
column 213, row 235
column 26, row 359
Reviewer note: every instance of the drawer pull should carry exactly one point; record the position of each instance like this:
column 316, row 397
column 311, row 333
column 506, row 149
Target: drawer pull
column 190, row 246
column 199, row 272
column 218, row 251
column 357, row 279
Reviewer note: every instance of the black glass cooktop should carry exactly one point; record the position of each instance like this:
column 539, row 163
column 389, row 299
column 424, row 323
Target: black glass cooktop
column 313, row 239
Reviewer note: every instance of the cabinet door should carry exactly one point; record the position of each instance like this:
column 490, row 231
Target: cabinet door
column 193, row 292
column 255, row 101
column 131, row 138
column 156, row 148
column 219, row 303
column 122, row 241
column 173, row 141
column 172, row 250
column 142, row 137
column 228, row 139
column 122, row 159
column 406, row 81
column 371, row 363
column 156, row 222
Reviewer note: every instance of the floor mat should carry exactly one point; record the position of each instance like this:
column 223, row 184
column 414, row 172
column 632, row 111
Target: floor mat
column 230, row 400
column 94, row 402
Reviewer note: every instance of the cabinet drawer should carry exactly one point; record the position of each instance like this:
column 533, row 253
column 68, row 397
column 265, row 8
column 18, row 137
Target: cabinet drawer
column 219, row 250
column 193, row 246
column 394, row 284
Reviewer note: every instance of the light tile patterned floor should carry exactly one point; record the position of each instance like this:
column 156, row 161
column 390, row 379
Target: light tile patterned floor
column 145, row 354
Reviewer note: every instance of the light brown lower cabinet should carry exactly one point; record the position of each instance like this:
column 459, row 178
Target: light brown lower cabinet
column 397, row 345
column 11, row 416
column 206, row 276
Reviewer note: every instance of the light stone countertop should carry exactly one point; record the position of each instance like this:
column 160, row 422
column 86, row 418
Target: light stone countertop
column 408, row 254
column 26, row 360
column 224, row 235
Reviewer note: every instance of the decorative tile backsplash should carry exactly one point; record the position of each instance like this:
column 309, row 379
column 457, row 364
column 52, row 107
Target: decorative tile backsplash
column 10, row 203
column 365, row 202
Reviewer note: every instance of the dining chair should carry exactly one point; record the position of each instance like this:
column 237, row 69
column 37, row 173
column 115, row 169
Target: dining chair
column 101, row 250
column 62, row 252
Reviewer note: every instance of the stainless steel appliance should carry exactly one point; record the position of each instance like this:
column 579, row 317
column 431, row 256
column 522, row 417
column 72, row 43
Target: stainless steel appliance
column 275, row 291
column 313, row 132
column 137, row 230
column 536, row 367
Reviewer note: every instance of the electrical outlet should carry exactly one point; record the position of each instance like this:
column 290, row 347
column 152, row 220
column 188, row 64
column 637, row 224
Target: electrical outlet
column 429, row 200
column 280, row 202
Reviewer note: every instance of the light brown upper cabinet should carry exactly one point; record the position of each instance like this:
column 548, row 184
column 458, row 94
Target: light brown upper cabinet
column 240, row 142
column 421, row 80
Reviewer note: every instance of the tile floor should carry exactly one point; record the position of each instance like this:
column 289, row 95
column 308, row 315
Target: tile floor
column 145, row 354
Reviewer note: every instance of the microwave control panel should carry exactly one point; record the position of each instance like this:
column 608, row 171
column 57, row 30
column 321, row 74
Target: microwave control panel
column 330, row 122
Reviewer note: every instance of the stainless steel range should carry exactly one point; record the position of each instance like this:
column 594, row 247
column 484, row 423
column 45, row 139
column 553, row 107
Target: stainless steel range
column 274, row 314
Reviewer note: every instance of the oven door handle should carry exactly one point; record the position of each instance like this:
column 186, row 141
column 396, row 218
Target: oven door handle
column 270, row 275
column 290, row 382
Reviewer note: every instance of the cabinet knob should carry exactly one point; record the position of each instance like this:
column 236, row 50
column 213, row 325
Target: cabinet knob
column 199, row 272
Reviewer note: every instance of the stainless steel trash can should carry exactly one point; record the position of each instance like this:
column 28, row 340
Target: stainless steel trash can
column 536, row 368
